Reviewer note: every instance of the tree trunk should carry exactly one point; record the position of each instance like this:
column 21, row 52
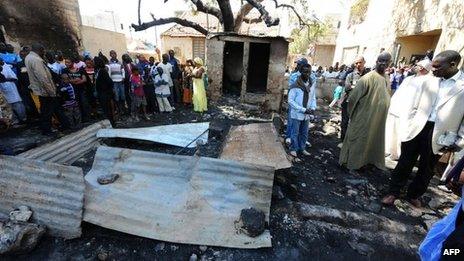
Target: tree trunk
column 227, row 15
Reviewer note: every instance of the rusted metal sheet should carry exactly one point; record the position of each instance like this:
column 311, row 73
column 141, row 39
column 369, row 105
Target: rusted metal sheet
column 70, row 147
column 177, row 135
column 181, row 199
column 256, row 144
column 55, row 193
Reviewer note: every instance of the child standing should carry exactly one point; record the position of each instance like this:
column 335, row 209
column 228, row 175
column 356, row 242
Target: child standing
column 162, row 90
column 337, row 94
column 69, row 102
column 138, row 94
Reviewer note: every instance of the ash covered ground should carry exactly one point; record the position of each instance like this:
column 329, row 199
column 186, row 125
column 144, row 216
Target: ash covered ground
column 319, row 211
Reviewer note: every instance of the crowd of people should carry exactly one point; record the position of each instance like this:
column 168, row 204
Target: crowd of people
column 65, row 91
column 413, row 113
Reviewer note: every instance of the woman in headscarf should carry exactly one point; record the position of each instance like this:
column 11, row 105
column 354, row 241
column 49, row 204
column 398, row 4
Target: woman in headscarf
column 200, row 104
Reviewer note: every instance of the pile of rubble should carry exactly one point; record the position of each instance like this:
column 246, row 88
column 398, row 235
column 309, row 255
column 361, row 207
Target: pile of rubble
column 154, row 195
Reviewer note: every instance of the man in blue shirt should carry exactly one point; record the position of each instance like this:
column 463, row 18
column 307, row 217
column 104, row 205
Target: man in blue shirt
column 299, row 102
column 292, row 80
column 8, row 55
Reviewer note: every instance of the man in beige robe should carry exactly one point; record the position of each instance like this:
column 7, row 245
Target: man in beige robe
column 364, row 143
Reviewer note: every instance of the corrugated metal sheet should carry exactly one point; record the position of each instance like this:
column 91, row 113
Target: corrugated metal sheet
column 179, row 199
column 177, row 135
column 257, row 144
column 55, row 193
column 69, row 148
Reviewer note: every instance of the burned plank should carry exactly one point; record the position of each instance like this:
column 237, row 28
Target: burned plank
column 255, row 144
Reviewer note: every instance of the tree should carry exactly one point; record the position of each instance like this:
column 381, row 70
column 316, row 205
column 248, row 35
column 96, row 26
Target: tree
column 223, row 11
column 309, row 34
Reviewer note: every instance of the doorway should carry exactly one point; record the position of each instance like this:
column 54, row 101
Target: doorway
column 414, row 47
column 233, row 68
column 258, row 67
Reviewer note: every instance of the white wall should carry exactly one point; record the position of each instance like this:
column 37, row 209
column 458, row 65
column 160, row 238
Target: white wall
column 95, row 40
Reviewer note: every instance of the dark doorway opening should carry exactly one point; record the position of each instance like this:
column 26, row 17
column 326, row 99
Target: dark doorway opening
column 233, row 68
column 258, row 67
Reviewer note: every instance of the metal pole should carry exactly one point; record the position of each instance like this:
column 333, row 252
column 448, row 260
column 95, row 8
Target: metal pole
column 191, row 142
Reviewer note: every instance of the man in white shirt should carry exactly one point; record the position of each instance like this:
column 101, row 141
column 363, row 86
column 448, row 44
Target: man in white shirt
column 167, row 69
column 10, row 92
column 117, row 74
column 437, row 112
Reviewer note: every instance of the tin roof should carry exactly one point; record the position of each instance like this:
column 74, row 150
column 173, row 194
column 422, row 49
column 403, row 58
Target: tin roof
column 70, row 147
column 181, row 135
column 54, row 193
column 183, row 199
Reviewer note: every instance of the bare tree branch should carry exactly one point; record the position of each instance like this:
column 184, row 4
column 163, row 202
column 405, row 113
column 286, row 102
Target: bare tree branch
column 264, row 13
column 301, row 20
column 201, row 7
column 176, row 20
column 252, row 20
column 241, row 15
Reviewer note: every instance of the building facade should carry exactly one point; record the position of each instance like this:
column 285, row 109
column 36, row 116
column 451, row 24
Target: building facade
column 405, row 28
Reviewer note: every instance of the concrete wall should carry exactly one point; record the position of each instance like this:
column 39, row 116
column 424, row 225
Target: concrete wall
column 54, row 23
column 324, row 54
column 388, row 20
column 95, row 40
column 270, row 100
column 182, row 46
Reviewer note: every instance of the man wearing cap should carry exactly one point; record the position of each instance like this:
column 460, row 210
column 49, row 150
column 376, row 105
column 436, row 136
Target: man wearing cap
column 299, row 102
column 300, row 63
column 401, row 106
column 435, row 125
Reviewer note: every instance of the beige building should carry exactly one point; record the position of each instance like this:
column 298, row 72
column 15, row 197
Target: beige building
column 322, row 51
column 95, row 40
column 406, row 28
column 187, row 42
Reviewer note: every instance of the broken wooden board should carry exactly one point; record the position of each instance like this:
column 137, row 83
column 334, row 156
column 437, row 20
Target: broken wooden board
column 256, row 144
column 182, row 199
column 180, row 135
column 54, row 193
